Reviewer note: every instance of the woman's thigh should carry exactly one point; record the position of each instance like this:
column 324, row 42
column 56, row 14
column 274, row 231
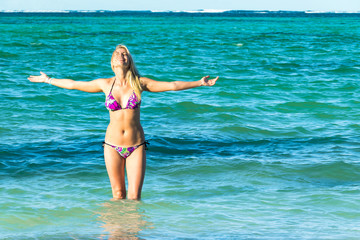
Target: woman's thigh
column 115, row 166
column 135, row 168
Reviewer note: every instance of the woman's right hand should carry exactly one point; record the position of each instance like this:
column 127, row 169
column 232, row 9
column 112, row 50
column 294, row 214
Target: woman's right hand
column 42, row 78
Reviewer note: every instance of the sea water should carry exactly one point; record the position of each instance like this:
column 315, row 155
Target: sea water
column 270, row 152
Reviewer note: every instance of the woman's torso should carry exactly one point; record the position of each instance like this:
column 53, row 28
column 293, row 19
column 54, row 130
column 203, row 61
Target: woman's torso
column 124, row 128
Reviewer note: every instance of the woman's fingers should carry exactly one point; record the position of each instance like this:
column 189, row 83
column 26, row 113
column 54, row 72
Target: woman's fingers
column 41, row 78
column 210, row 82
column 34, row 78
column 215, row 79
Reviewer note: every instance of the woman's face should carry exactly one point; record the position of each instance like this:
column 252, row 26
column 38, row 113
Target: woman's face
column 120, row 58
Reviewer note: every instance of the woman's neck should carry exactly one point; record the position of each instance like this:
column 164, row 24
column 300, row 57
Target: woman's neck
column 120, row 76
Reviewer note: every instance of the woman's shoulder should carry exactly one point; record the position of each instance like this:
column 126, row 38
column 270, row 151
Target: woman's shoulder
column 145, row 80
column 102, row 83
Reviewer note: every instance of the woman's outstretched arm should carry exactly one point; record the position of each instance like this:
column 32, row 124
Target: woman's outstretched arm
column 90, row 86
column 157, row 86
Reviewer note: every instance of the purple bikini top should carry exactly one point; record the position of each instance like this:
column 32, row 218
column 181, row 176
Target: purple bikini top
column 112, row 105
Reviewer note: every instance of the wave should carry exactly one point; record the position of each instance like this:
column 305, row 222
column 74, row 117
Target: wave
column 88, row 150
column 332, row 12
column 35, row 11
column 215, row 11
column 203, row 11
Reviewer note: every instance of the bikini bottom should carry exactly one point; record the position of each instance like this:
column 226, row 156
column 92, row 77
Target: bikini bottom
column 126, row 151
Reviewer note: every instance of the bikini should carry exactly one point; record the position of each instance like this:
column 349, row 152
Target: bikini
column 126, row 151
column 112, row 105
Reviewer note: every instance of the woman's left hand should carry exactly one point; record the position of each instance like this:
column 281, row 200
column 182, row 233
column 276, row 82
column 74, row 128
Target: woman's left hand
column 205, row 81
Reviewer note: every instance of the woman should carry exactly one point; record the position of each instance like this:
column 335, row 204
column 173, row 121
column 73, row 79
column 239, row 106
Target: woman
column 125, row 143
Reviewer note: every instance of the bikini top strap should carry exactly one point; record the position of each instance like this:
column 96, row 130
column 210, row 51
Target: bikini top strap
column 112, row 86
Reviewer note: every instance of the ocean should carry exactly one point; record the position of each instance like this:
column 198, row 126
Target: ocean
column 270, row 152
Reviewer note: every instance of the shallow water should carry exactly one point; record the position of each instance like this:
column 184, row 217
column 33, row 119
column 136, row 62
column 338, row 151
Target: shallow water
column 270, row 152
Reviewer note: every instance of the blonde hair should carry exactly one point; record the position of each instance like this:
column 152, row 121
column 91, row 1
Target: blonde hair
column 132, row 74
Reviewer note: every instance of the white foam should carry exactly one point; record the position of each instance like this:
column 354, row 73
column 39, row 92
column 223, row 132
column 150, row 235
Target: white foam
column 347, row 12
column 35, row 11
column 314, row 12
column 160, row 11
column 180, row 11
column 198, row 11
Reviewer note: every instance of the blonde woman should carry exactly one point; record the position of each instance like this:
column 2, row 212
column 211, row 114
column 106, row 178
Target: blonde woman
column 125, row 144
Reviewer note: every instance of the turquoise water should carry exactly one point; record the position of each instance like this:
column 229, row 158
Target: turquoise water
column 270, row 152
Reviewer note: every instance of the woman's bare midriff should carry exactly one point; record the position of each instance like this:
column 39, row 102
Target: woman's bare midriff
column 124, row 128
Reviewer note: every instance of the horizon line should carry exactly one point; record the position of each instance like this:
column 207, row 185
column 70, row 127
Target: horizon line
column 178, row 11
